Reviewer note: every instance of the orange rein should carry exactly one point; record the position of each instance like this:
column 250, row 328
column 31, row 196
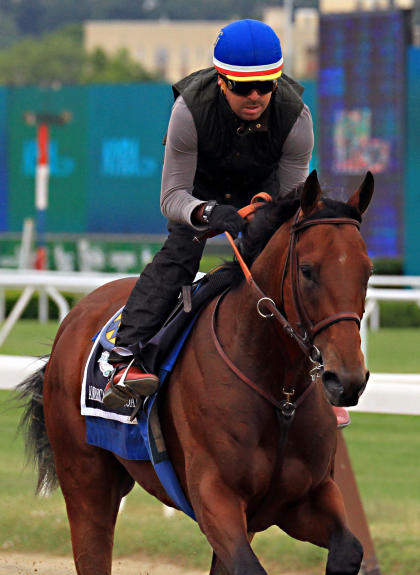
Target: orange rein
column 247, row 212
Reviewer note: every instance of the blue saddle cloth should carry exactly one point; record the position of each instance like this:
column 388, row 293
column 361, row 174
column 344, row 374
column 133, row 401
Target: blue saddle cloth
column 142, row 439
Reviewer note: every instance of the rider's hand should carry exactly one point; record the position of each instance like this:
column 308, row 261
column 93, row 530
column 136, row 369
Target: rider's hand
column 226, row 219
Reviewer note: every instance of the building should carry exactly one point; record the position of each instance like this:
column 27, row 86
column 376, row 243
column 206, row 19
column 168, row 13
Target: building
column 171, row 48
column 178, row 47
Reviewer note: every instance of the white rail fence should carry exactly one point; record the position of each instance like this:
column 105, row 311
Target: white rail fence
column 395, row 393
column 386, row 393
column 51, row 284
column 48, row 284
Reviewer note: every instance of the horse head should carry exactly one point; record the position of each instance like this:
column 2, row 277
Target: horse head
column 329, row 273
column 308, row 255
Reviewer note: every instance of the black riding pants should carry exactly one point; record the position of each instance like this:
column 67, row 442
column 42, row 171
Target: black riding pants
column 157, row 289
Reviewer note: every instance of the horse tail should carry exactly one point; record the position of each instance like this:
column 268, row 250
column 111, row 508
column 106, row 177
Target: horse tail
column 32, row 424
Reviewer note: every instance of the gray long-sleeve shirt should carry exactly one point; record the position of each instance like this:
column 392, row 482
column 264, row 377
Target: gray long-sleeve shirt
column 176, row 200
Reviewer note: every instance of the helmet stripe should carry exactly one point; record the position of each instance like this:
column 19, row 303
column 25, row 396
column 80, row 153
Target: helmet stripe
column 262, row 70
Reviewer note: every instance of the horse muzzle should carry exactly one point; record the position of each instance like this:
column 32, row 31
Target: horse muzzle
column 344, row 390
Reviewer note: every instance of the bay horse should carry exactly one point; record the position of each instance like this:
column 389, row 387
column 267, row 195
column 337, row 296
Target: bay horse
column 251, row 435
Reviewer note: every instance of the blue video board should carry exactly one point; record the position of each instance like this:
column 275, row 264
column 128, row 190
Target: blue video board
column 361, row 96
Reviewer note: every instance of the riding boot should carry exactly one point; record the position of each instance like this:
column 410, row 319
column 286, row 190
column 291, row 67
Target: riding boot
column 127, row 380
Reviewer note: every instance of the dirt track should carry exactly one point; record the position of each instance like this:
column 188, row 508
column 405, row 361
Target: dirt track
column 21, row 564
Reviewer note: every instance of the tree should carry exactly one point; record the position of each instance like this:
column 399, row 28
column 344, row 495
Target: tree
column 56, row 57
column 60, row 58
column 36, row 17
column 102, row 69
column 29, row 16
column 9, row 32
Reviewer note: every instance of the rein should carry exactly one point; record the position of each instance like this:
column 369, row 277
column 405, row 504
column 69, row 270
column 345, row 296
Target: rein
column 282, row 405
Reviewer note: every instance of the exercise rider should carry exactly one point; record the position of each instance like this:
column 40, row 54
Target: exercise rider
column 236, row 129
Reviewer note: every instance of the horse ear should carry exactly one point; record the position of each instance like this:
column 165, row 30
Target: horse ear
column 361, row 198
column 311, row 193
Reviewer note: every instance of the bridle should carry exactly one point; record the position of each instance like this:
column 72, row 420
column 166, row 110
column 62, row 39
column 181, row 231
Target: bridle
column 306, row 330
column 309, row 329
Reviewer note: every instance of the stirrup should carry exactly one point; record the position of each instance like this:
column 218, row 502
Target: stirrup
column 121, row 383
column 117, row 395
column 122, row 392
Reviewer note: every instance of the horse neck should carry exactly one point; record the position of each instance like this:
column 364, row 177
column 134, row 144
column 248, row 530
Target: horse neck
column 268, row 268
column 268, row 347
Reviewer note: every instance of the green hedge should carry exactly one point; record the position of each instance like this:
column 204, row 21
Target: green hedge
column 399, row 314
column 388, row 267
column 392, row 314
column 31, row 310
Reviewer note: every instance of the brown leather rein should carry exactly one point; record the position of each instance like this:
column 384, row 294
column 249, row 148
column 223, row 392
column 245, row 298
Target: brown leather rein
column 310, row 330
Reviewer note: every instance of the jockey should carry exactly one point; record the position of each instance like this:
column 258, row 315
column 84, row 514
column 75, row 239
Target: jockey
column 236, row 129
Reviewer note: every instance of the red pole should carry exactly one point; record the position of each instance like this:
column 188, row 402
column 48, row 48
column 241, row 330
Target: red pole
column 41, row 194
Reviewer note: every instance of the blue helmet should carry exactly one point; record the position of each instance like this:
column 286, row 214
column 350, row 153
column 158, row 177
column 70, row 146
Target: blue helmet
column 248, row 50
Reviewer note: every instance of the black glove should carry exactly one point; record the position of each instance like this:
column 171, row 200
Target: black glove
column 226, row 219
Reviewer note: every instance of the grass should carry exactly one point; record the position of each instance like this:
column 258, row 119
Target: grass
column 394, row 350
column 30, row 337
column 384, row 451
column 389, row 350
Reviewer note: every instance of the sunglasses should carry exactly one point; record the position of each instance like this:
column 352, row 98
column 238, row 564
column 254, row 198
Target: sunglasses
column 245, row 88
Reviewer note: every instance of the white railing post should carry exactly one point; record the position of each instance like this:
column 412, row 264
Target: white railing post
column 15, row 314
column 2, row 304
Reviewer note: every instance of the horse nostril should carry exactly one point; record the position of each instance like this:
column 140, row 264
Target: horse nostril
column 331, row 380
column 344, row 390
column 332, row 386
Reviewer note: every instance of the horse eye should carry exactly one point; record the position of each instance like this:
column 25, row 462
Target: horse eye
column 306, row 271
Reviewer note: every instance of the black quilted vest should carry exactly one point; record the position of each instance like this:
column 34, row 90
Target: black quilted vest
column 237, row 159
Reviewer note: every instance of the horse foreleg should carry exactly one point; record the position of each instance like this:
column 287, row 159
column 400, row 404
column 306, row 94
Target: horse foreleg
column 320, row 519
column 217, row 567
column 93, row 484
column 222, row 518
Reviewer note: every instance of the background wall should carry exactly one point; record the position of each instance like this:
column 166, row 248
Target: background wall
column 106, row 165
column 412, row 166
column 4, row 188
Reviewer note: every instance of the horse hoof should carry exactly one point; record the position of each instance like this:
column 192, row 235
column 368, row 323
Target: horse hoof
column 345, row 556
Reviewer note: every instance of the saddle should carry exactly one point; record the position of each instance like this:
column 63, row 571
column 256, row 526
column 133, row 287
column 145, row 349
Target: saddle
column 155, row 352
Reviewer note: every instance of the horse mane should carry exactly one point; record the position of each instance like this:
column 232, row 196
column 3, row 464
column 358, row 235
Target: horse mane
column 272, row 215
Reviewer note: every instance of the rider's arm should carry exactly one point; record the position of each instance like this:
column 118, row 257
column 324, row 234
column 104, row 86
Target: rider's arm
column 296, row 154
column 176, row 200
